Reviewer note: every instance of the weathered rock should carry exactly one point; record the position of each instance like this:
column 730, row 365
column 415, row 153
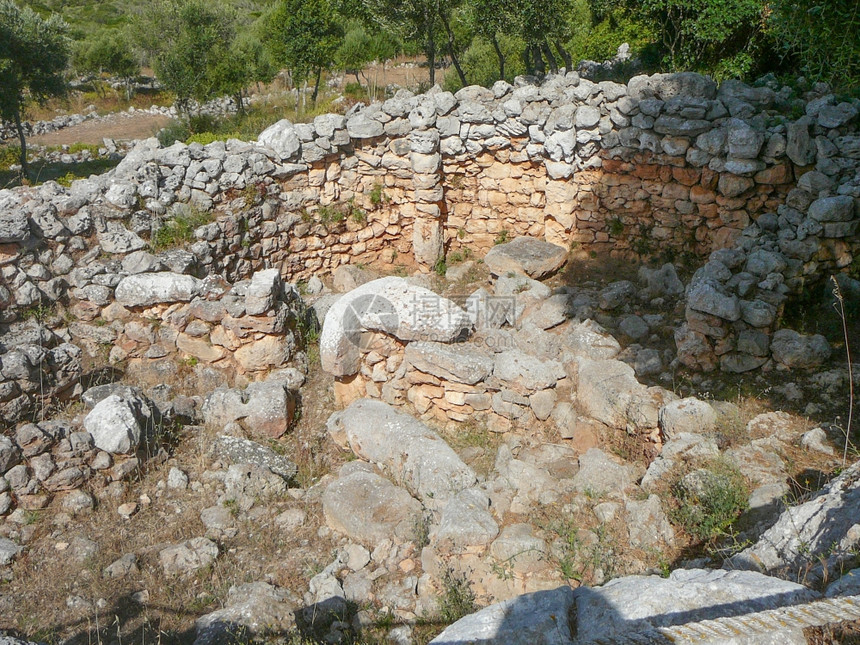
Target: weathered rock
column 405, row 448
column 526, row 372
column 540, row 618
column 799, row 351
column 460, row 363
column 153, row 288
column 257, row 608
column 465, row 521
column 605, row 390
column 266, row 408
column 244, row 451
column 815, row 537
column 535, row 258
column 188, row 556
column 8, row 551
column 390, row 305
column 119, row 424
column 640, row 603
column 369, row 509
column 282, row 139
column 588, row 339
column 599, row 474
column 689, row 415
column 14, row 227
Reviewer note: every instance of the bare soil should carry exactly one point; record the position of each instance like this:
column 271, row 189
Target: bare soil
column 120, row 127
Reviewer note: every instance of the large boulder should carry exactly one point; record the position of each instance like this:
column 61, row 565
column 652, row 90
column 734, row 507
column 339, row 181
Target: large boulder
column 535, row 258
column 643, row 603
column 814, row 538
column 390, row 305
column 606, row 390
column 146, row 289
column 14, row 227
column 369, row 509
column 540, row 618
column 406, row 449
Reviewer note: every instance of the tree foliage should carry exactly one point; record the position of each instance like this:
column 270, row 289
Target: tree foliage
column 303, row 35
column 33, row 55
column 188, row 42
column 109, row 52
column 822, row 36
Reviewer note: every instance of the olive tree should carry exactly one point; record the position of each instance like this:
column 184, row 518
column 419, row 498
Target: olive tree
column 33, row 55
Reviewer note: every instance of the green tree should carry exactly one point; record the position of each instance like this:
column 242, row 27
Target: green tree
column 109, row 53
column 717, row 36
column 492, row 20
column 303, row 35
column 188, row 42
column 33, row 55
column 247, row 62
column 544, row 26
column 823, row 36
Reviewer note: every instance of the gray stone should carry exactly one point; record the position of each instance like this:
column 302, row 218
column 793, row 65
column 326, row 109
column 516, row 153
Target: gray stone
column 237, row 450
column 588, row 339
column 835, row 116
column 126, row 565
column 187, row 556
column 460, row 363
column 638, row 603
column 634, row 327
column 266, row 408
column 14, row 227
column 257, row 608
column 393, row 306
column 119, row 424
column 153, row 288
column 527, row 372
column 690, row 415
column 368, row 508
column 647, row 524
column 816, row 537
column 361, row 126
column 606, row 390
column 535, row 258
column 282, row 139
column 406, row 449
column 10, row 454
column 661, row 282
column 832, row 209
column 117, row 239
column 140, row 262
column 349, row 276
column 616, row 294
column 540, row 618
column 599, row 474
column 799, row 351
column 816, row 439
column 8, row 551
column 465, row 521
column 707, row 296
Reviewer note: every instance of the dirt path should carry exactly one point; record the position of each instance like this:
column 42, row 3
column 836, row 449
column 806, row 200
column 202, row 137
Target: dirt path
column 121, row 126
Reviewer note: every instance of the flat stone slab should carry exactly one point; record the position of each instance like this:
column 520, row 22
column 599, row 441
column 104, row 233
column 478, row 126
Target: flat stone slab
column 535, row 258
column 460, row 363
column 146, row 289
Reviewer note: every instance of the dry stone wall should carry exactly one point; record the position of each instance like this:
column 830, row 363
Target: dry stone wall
column 666, row 164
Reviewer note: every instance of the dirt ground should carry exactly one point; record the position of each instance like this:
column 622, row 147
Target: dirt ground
column 123, row 127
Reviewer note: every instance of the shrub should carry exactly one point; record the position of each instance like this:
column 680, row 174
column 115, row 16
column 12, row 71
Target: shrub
column 457, row 598
column 710, row 499
column 173, row 132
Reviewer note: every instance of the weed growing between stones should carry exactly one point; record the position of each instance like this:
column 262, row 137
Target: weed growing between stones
column 710, row 500
column 839, row 305
column 179, row 231
column 457, row 598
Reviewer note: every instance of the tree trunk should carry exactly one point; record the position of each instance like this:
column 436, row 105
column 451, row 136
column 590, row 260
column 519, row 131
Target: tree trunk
column 537, row 61
column 553, row 63
column 501, row 56
column 316, row 86
column 568, row 60
column 240, row 105
column 431, row 52
column 451, row 51
column 25, row 169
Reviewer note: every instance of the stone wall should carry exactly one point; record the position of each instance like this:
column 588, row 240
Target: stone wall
column 665, row 165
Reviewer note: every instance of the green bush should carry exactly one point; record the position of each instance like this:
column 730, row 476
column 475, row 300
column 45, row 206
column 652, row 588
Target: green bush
column 171, row 133
column 9, row 156
column 457, row 598
column 710, row 499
